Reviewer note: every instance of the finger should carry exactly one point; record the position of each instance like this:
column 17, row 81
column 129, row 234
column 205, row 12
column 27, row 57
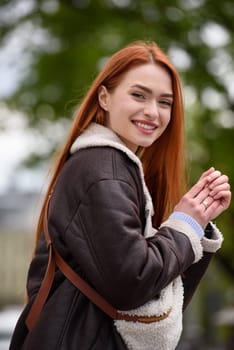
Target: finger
column 197, row 188
column 216, row 190
column 214, row 210
column 220, row 180
column 201, row 183
column 207, row 172
column 206, row 178
column 206, row 202
column 225, row 195
column 202, row 195
column 213, row 176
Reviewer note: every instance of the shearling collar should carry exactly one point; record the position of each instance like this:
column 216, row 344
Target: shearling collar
column 99, row 135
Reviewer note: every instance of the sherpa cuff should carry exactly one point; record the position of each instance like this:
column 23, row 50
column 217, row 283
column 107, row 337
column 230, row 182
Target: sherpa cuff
column 185, row 228
column 213, row 243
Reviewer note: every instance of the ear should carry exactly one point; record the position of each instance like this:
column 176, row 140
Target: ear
column 103, row 97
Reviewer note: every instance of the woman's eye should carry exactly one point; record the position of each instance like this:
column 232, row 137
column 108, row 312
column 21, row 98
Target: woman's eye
column 138, row 95
column 166, row 103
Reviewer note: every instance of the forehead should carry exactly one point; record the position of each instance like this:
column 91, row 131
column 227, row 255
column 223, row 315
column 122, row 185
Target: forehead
column 150, row 75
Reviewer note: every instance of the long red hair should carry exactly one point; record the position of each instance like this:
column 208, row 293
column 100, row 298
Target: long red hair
column 163, row 161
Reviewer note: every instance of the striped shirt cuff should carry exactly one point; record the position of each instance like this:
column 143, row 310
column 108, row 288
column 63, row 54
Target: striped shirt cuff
column 187, row 218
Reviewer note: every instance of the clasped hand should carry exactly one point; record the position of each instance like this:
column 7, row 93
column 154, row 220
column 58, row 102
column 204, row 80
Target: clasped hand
column 208, row 198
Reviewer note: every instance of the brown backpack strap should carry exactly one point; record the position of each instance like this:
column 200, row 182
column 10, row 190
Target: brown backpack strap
column 46, row 283
column 54, row 260
column 84, row 287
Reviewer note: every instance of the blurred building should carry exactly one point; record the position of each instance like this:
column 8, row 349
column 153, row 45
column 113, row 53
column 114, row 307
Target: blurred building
column 18, row 211
column 18, row 215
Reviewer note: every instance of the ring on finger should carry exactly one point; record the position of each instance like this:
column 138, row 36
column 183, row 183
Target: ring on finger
column 205, row 203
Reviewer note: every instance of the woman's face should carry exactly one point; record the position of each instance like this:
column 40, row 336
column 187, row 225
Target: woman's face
column 138, row 110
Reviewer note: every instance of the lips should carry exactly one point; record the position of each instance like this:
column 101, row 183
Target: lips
column 145, row 125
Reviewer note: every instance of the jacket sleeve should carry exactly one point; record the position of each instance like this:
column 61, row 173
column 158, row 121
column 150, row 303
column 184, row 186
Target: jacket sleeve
column 211, row 242
column 192, row 277
column 105, row 238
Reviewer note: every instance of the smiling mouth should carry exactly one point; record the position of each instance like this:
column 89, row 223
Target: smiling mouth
column 144, row 126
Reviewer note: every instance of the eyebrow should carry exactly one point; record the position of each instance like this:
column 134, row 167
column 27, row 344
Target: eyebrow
column 145, row 88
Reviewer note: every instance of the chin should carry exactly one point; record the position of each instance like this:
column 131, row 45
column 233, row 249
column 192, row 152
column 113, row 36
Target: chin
column 146, row 144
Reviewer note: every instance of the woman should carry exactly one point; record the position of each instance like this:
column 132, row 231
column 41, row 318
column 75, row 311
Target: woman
column 121, row 170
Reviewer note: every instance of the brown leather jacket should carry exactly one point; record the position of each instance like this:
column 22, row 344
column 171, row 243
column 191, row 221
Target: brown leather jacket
column 96, row 222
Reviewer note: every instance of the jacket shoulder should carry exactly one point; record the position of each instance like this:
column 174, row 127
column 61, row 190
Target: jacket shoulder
column 88, row 167
column 101, row 163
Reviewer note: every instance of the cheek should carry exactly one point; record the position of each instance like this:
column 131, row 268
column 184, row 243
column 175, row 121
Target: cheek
column 166, row 119
column 120, row 112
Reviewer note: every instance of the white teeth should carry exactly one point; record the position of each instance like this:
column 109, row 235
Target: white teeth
column 145, row 126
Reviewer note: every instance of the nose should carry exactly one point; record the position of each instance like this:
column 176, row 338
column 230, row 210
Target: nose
column 151, row 110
